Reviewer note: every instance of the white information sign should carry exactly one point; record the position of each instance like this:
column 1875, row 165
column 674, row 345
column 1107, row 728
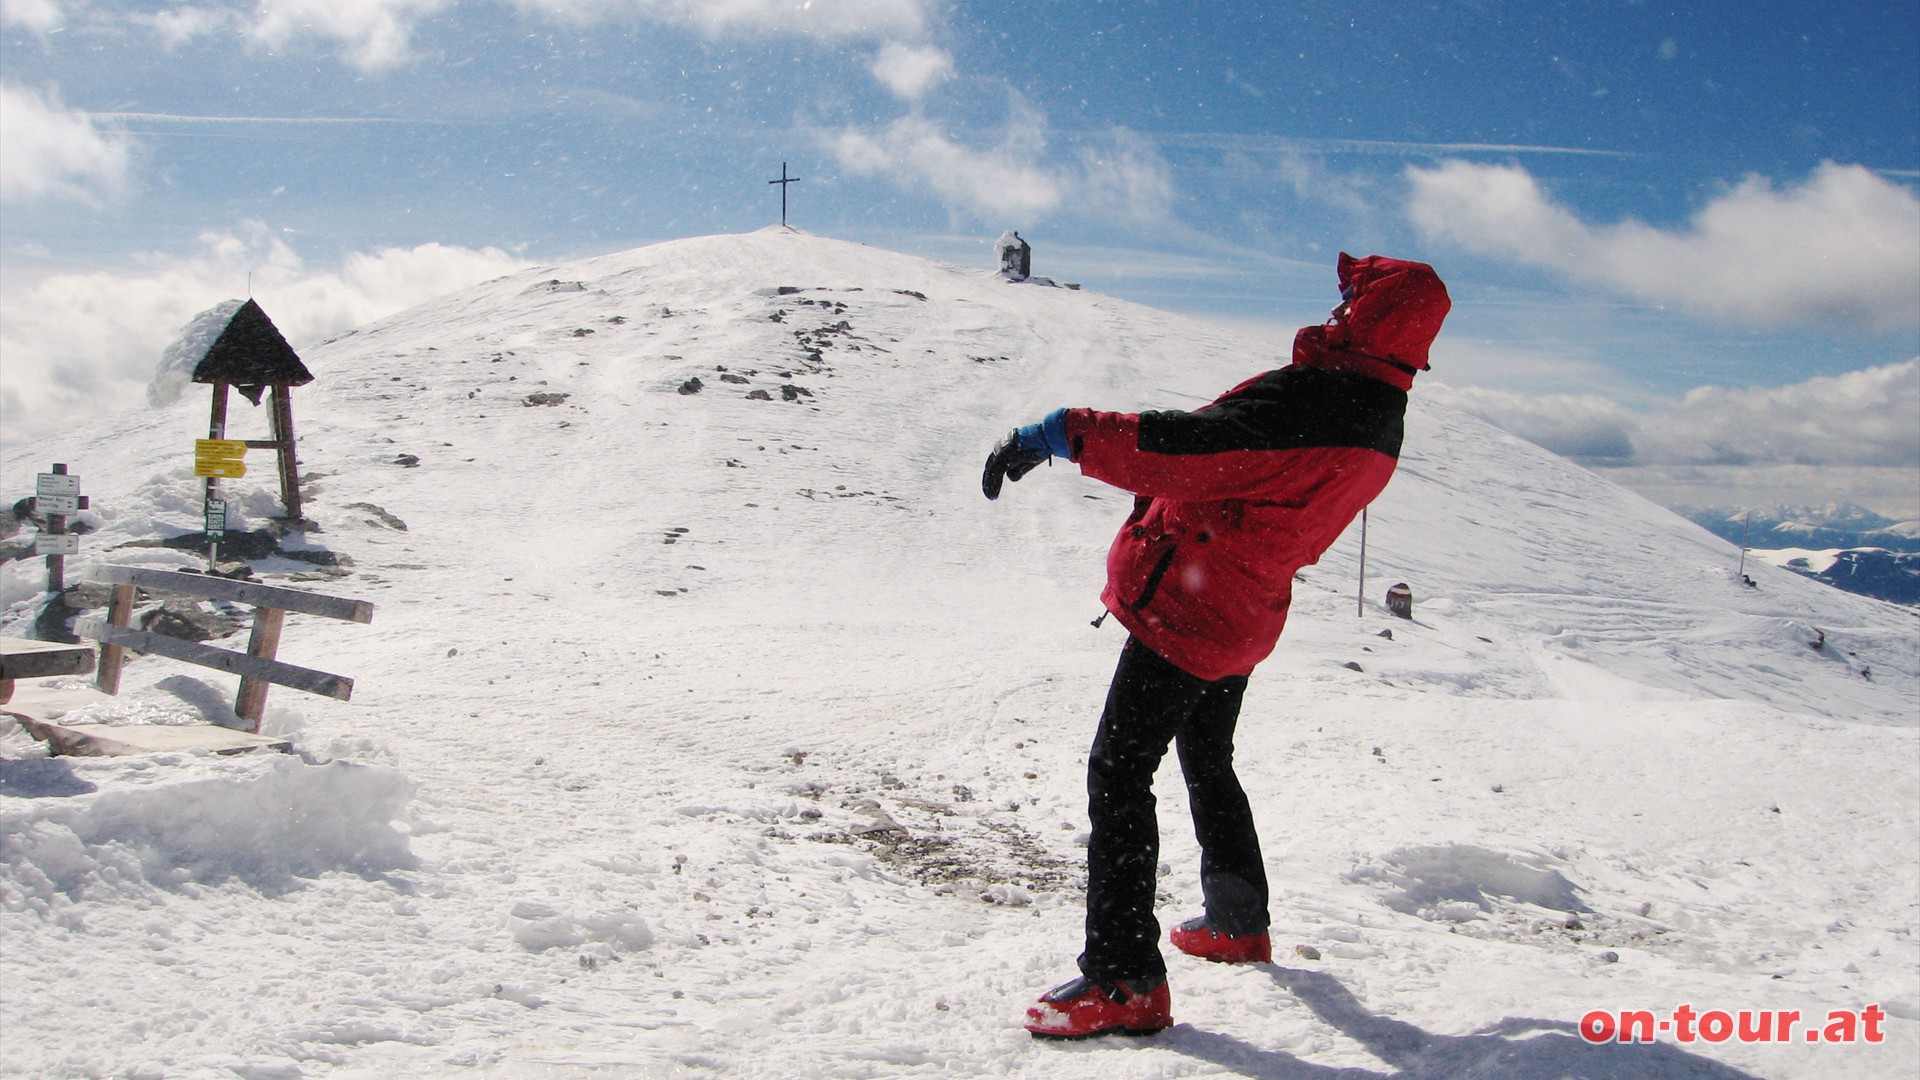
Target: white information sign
column 56, row 544
column 57, row 484
column 57, row 504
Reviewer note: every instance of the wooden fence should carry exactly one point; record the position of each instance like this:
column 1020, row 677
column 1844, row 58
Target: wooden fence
column 256, row 667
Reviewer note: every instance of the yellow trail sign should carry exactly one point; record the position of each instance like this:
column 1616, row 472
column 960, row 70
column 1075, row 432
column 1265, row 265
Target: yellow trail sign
column 219, row 458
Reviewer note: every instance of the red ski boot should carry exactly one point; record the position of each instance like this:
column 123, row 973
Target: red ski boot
column 1084, row 1008
column 1195, row 938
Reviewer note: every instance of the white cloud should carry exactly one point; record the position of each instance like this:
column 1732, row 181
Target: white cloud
column 911, row 70
column 376, row 34
column 1885, row 490
column 177, row 26
column 878, row 20
column 998, row 183
column 1868, row 418
column 1850, row 438
column 1838, row 248
column 1125, row 177
column 1584, row 427
column 48, row 151
column 37, row 16
column 1012, row 182
column 1532, row 349
column 1313, row 181
column 80, row 344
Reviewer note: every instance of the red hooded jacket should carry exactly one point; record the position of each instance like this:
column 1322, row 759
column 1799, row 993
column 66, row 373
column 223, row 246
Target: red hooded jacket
column 1235, row 497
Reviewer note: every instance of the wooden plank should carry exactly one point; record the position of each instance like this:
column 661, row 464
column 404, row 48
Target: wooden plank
column 121, row 740
column 44, row 699
column 263, row 644
column 233, row 663
column 240, row 592
column 114, row 657
column 23, row 658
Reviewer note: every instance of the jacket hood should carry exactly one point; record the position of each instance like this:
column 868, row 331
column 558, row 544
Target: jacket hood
column 1393, row 309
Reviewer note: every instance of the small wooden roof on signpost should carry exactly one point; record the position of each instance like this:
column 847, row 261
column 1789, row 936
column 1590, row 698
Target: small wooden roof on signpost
column 251, row 352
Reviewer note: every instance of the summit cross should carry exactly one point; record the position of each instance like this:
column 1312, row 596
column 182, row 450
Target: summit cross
column 783, row 182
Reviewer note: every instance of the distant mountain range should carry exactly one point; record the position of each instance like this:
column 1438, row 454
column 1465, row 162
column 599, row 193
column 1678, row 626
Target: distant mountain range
column 1816, row 528
column 1846, row 546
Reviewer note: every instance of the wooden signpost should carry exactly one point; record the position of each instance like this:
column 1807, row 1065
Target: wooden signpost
column 56, row 496
column 248, row 353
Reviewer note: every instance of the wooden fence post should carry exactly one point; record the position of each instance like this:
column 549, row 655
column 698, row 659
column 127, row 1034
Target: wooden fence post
column 114, row 657
column 264, row 642
column 282, row 417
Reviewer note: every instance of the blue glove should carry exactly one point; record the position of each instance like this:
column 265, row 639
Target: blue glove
column 1049, row 435
column 1024, row 450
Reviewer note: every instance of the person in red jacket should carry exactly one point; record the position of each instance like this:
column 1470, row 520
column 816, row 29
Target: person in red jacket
column 1231, row 500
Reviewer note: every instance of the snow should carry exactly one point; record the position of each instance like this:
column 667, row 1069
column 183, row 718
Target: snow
column 1815, row 560
column 177, row 363
column 703, row 735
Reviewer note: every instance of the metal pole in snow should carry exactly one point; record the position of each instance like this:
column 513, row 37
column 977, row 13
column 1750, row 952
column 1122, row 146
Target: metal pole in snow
column 1745, row 527
column 1361, row 601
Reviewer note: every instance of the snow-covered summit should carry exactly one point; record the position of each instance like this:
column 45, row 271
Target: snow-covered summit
column 711, row 700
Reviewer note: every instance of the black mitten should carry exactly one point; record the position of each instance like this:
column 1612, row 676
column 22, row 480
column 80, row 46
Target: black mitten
column 1009, row 462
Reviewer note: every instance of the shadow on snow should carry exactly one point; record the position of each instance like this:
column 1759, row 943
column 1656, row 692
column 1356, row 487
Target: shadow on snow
column 1516, row 1048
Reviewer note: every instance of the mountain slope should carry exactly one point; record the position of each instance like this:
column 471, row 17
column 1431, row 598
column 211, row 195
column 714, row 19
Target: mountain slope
column 730, row 731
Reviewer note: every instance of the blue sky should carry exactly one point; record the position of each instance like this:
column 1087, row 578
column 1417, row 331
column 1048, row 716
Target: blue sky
column 1684, row 246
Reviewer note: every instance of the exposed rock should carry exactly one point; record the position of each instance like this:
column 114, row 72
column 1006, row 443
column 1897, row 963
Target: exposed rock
column 380, row 515
column 15, row 549
column 247, row 546
column 188, row 620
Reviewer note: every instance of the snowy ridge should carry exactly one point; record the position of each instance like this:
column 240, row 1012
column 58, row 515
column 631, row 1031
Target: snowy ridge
column 724, row 729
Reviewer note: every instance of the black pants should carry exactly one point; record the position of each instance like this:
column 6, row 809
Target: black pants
column 1151, row 704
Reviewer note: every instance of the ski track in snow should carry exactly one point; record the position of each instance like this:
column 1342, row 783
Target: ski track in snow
column 698, row 734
